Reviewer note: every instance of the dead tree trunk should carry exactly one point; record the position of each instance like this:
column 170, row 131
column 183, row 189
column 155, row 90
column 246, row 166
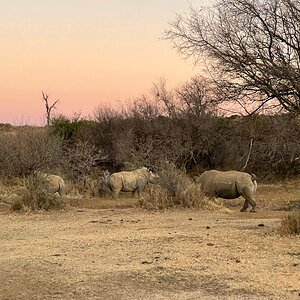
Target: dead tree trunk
column 48, row 107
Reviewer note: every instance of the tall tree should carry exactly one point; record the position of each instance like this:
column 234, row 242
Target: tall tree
column 253, row 46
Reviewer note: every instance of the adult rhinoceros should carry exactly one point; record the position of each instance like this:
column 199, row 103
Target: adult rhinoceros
column 53, row 183
column 229, row 185
column 130, row 181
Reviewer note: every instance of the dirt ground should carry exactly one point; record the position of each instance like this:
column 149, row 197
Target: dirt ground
column 107, row 249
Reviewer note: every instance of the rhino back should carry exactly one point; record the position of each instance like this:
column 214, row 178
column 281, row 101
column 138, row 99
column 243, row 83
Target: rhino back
column 133, row 180
column 56, row 183
column 127, row 181
column 227, row 185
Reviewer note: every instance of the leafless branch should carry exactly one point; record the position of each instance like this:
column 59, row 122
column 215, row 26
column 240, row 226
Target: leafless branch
column 48, row 107
column 248, row 157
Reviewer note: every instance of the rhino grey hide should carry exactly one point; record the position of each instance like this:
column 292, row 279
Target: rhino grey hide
column 54, row 183
column 130, row 181
column 229, row 185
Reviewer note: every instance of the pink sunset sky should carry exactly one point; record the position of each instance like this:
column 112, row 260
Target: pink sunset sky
column 86, row 53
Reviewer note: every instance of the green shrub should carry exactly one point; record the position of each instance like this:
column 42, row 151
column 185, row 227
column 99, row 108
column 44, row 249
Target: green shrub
column 68, row 129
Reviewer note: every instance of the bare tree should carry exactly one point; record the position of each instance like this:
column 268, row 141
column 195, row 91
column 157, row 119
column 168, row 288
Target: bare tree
column 253, row 47
column 165, row 97
column 195, row 97
column 48, row 107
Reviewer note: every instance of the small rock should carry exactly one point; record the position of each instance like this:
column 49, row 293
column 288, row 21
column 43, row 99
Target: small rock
column 190, row 219
column 261, row 225
column 210, row 244
column 207, row 227
column 147, row 262
column 237, row 261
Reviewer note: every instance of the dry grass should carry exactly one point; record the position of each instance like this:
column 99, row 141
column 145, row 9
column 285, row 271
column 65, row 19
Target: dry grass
column 278, row 196
column 35, row 196
column 29, row 149
column 291, row 224
column 131, row 254
column 37, row 199
column 176, row 189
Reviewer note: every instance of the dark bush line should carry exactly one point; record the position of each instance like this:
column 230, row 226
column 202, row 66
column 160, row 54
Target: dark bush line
column 194, row 145
column 127, row 140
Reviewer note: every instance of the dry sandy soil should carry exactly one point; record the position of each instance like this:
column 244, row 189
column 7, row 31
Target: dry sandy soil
column 103, row 249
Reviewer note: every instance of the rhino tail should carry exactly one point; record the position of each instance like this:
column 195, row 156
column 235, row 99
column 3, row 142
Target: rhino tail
column 253, row 177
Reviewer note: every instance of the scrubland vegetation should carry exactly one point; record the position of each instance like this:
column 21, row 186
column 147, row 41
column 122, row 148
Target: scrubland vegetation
column 246, row 121
column 176, row 134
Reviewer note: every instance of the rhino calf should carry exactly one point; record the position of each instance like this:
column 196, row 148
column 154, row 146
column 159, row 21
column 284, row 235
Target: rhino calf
column 54, row 183
column 130, row 181
column 229, row 185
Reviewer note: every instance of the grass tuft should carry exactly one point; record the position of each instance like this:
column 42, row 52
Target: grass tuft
column 36, row 196
column 176, row 189
column 291, row 224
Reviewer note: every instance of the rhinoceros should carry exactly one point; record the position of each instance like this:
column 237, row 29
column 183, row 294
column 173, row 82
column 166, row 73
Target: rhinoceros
column 229, row 185
column 130, row 181
column 53, row 183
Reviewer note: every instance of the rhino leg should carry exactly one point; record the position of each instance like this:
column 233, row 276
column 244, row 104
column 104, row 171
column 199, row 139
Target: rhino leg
column 115, row 195
column 248, row 200
column 248, row 195
column 139, row 192
column 253, row 204
column 135, row 193
column 245, row 206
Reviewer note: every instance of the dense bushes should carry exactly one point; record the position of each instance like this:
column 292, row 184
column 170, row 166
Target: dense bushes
column 175, row 189
column 268, row 145
column 36, row 195
column 181, row 126
column 27, row 149
column 68, row 129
